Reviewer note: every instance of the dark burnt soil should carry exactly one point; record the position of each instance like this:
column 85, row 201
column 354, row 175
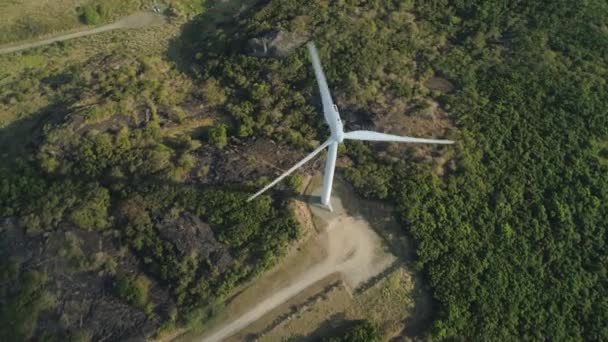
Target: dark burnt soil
column 81, row 268
column 191, row 235
column 79, row 276
column 243, row 161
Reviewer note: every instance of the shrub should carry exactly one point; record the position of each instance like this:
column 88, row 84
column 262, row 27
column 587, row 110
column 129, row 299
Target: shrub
column 363, row 331
column 213, row 92
column 20, row 309
column 89, row 15
column 133, row 290
column 218, row 136
column 294, row 182
column 93, row 213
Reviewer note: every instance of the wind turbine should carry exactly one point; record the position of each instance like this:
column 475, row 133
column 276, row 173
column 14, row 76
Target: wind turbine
column 338, row 135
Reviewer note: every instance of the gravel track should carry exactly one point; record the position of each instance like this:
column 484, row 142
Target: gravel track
column 353, row 249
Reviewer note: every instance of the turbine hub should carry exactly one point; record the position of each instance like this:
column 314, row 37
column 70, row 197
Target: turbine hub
column 340, row 136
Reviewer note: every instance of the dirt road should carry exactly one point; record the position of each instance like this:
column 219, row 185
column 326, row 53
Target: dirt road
column 353, row 249
column 136, row 20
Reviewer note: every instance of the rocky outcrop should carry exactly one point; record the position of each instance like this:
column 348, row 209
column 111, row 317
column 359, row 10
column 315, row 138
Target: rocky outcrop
column 189, row 234
column 276, row 43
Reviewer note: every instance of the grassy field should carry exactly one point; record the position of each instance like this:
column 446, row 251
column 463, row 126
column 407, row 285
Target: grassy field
column 316, row 311
column 28, row 19
column 387, row 304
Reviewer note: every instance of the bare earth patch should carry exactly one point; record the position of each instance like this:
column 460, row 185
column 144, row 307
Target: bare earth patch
column 439, row 84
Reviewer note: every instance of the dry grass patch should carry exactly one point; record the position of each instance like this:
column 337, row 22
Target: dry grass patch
column 27, row 19
column 388, row 304
column 390, row 301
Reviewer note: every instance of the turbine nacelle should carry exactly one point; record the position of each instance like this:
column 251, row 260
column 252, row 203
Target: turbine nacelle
column 332, row 117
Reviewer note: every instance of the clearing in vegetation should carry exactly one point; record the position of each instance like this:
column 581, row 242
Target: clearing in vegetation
column 344, row 249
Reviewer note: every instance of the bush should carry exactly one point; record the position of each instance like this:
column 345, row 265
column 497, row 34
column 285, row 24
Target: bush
column 294, row 182
column 363, row 331
column 20, row 309
column 133, row 290
column 93, row 213
column 213, row 92
column 89, row 15
column 218, row 136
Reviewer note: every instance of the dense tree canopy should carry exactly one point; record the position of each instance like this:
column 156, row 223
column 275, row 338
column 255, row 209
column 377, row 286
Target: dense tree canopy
column 513, row 236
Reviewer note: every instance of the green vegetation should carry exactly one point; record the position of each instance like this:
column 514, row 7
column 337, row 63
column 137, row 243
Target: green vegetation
column 510, row 238
column 218, row 137
column 24, row 298
column 93, row 213
column 89, row 15
column 30, row 19
column 133, row 164
column 510, row 230
column 133, row 290
column 362, row 331
column 294, row 182
column 510, row 223
column 102, row 172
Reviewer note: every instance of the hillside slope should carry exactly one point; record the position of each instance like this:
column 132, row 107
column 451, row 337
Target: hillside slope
column 511, row 224
column 123, row 195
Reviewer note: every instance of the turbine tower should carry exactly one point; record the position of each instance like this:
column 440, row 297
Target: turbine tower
column 330, row 111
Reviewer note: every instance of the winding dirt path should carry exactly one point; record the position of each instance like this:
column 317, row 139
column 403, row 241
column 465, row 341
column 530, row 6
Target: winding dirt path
column 137, row 20
column 353, row 250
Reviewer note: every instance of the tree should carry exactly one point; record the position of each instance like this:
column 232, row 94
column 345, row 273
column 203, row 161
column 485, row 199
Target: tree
column 218, row 136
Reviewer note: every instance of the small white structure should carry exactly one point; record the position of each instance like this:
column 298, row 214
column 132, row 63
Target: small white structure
column 337, row 135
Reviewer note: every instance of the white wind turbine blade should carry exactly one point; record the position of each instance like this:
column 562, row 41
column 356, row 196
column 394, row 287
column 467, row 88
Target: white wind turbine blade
column 376, row 136
column 331, row 116
column 293, row 168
